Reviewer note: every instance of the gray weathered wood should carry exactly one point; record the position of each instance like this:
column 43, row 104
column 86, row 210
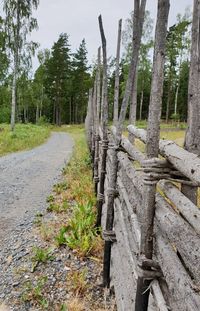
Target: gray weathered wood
column 186, row 162
column 104, row 122
column 181, row 235
column 192, row 137
column 152, row 148
column 116, row 93
column 183, row 296
column 139, row 11
column 189, row 211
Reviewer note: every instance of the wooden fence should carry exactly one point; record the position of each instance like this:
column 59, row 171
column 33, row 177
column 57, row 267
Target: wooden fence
column 147, row 201
column 174, row 272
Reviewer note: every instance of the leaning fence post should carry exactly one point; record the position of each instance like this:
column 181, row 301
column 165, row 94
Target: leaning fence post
column 104, row 121
column 152, row 150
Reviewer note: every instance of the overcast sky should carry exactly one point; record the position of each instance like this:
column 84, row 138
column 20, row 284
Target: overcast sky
column 78, row 18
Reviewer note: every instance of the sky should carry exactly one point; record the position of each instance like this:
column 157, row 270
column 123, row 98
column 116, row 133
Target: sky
column 79, row 19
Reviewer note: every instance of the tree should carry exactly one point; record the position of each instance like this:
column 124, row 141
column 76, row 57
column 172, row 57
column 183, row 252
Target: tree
column 177, row 51
column 18, row 24
column 40, row 96
column 144, row 61
column 81, row 83
column 3, row 54
column 58, row 76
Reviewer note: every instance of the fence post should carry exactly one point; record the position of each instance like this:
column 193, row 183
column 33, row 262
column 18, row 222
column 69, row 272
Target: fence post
column 192, row 137
column 104, row 121
column 152, row 149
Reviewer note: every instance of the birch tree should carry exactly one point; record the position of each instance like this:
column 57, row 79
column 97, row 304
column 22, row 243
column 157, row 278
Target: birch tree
column 19, row 23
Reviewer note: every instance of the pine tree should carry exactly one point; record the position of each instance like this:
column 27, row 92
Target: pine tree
column 58, row 76
column 81, row 83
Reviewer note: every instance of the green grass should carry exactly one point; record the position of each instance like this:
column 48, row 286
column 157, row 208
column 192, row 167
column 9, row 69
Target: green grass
column 79, row 232
column 25, row 137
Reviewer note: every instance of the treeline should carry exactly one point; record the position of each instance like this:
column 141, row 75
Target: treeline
column 176, row 68
column 58, row 90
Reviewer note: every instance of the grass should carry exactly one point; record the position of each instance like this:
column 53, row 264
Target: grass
column 35, row 293
column 78, row 282
column 25, row 137
column 79, row 232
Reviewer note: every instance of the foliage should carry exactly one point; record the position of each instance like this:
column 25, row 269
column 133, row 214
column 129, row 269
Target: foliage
column 42, row 255
column 80, row 231
column 35, row 293
column 78, row 281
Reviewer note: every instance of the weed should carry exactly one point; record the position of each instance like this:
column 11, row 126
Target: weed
column 61, row 237
column 46, row 232
column 81, row 233
column 53, row 207
column 41, row 255
column 58, row 208
column 63, row 307
column 58, row 188
column 38, row 219
column 34, row 292
column 50, row 198
column 78, row 281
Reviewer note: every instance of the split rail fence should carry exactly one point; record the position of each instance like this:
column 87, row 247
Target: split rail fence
column 174, row 271
column 147, row 201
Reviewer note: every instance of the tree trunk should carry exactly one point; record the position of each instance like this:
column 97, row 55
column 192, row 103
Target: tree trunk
column 37, row 114
column 13, row 104
column 133, row 102
column 192, row 137
column 141, row 103
column 139, row 11
column 176, row 97
column 152, row 149
column 15, row 72
column 116, row 95
column 169, row 96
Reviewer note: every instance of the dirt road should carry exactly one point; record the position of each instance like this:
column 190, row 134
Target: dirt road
column 26, row 179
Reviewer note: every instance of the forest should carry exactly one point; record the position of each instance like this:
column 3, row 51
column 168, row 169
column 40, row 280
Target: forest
column 57, row 91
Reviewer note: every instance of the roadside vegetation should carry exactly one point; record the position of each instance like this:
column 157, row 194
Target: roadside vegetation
column 68, row 227
column 26, row 136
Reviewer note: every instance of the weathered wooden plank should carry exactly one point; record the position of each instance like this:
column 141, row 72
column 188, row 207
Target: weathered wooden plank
column 132, row 150
column 158, row 296
column 133, row 196
column 183, row 296
column 189, row 210
column 122, row 279
column 134, row 175
column 186, row 162
column 122, row 235
column 181, row 235
column 132, row 217
column 129, row 148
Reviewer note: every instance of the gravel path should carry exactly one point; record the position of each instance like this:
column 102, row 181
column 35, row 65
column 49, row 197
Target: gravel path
column 26, row 179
